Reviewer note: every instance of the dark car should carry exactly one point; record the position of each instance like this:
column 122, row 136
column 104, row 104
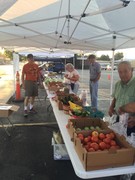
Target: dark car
column 56, row 67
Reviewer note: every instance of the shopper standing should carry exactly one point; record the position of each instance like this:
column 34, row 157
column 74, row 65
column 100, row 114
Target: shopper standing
column 95, row 73
column 30, row 75
column 72, row 77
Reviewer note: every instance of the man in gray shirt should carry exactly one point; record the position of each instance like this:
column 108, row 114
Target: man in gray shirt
column 95, row 73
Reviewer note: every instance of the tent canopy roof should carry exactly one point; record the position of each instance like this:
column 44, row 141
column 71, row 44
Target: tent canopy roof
column 87, row 25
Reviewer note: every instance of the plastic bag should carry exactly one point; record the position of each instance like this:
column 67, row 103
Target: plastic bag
column 83, row 97
column 121, row 126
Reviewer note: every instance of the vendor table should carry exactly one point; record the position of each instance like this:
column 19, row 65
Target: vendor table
column 62, row 120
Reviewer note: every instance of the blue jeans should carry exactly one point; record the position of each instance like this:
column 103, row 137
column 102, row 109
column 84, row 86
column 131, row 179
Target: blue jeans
column 93, row 93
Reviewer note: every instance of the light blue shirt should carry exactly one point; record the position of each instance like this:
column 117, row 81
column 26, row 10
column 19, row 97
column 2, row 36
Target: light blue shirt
column 95, row 69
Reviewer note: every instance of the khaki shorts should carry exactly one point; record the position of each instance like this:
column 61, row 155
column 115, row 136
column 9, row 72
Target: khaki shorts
column 31, row 88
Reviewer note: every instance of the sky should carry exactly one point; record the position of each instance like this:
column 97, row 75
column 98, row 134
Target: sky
column 128, row 53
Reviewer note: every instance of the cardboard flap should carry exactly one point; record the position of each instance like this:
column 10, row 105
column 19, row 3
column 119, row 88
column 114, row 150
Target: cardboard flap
column 3, row 107
column 14, row 108
column 11, row 106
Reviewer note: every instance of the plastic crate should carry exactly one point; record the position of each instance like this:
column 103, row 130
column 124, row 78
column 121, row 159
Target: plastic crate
column 59, row 151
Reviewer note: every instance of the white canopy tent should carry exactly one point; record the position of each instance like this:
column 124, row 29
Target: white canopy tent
column 65, row 24
column 59, row 25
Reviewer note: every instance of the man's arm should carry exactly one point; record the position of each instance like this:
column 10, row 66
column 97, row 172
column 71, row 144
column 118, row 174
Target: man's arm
column 22, row 78
column 128, row 108
column 112, row 106
column 98, row 77
column 74, row 78
column 98, row 73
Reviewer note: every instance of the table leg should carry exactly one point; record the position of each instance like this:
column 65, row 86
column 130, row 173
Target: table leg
column 5, row 128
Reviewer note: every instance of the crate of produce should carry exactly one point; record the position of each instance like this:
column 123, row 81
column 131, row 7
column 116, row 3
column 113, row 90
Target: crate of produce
column 85, row 124
column 103, row 150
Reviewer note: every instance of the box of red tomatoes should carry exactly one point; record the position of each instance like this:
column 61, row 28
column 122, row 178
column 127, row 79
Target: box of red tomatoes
column 100, row 150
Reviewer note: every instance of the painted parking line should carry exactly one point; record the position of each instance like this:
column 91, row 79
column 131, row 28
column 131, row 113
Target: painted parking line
column 29, row 124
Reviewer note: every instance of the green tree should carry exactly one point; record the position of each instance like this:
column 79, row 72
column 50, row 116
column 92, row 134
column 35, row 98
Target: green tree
column 23, row 58
column 118, row 56
column 8, row 54
column 104, row 58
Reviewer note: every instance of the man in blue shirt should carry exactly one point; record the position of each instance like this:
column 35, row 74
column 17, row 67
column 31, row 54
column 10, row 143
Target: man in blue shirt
column 95, row 73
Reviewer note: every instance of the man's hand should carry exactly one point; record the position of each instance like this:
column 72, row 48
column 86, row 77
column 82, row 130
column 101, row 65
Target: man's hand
column 131, row 122
column 121, row 110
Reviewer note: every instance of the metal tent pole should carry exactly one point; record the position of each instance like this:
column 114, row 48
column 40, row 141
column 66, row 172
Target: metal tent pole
column 112, row 65
column 82, row 68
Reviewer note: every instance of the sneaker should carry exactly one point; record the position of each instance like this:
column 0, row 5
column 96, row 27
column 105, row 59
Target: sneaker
column 25, row 113
column 32, row 111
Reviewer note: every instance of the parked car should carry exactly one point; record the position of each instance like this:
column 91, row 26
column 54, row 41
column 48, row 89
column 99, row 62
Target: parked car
column 107, row 67
column 55, row 67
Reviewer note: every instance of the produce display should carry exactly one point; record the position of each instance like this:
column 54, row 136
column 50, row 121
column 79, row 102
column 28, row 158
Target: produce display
column 79, row 113
column 50, row 80
column 95, row 144
column 74, row 106
column 52, row 74
column 68, row 99
column 86, row 128
column 94, row 113
column 98, row 141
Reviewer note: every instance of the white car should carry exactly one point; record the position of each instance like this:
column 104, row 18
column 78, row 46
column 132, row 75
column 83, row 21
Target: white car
column 107, row 67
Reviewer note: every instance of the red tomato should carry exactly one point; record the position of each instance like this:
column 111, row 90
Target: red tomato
column 107, row 140
column 101, row 136
column 112, row 135
column 91, row 150
column 108, row 136
column 102, row 145
column 95, row 146
column 81, row 137
column 113, row 143
column 94, row 139
column 86, row 140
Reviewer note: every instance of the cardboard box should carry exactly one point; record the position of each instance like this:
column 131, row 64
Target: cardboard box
column 59, row 151
column 107, row 158
column 7, row 109
column 73, row 124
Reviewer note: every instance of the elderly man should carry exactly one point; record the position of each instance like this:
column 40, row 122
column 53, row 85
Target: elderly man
column 124, row 91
